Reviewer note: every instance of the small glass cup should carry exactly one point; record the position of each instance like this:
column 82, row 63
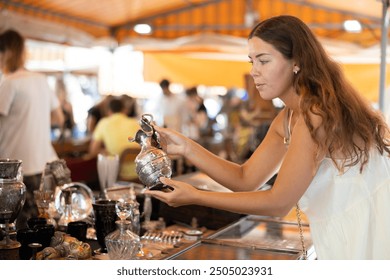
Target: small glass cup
column 26, row 236
column 78, row 229
column 108, row 168
column 44, row 199
column 33, row 221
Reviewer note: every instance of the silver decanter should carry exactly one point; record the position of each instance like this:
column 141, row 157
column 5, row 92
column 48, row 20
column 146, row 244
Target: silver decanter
column 152, row 162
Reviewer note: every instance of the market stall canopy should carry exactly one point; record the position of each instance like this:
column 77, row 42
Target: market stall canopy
column 203, row 41
column 111, row 22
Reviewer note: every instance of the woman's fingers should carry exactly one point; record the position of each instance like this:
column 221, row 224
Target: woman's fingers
column 167, row 181
column 177, row 196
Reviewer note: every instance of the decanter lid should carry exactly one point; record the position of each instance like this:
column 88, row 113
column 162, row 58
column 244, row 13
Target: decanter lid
column 147, row 131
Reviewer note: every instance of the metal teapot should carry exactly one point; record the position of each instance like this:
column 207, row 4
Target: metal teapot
column 152, row 162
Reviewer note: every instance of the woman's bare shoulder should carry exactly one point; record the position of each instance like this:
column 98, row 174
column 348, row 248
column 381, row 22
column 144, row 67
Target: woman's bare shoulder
column 277, row 125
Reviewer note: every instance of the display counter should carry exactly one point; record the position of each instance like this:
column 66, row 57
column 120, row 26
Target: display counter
column 252, row 237
column 232, row 236
column 240, row 237
column 225, row 235
column 203, row 233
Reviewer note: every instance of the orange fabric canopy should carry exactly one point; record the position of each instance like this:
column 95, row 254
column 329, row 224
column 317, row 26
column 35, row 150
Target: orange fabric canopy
column 189, row 70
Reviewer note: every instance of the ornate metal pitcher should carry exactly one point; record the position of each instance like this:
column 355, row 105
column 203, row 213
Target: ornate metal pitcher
column 12, row 190
column 12, row 198
column 152, row 162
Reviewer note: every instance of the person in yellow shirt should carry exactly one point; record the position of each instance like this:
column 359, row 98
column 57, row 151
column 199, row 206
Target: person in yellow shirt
column 111, row 136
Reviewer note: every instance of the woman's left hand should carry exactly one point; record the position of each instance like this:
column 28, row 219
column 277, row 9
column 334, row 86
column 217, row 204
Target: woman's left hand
column 182, row 193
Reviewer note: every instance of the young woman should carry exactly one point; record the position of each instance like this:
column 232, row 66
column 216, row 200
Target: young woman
column 329, row 147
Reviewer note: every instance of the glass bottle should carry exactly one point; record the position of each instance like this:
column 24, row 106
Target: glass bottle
column 122, row 244
column 44, row 200
column 129, row 210
column 135, row 218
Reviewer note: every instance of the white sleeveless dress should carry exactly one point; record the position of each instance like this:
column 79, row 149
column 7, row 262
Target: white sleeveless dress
column 349, row 213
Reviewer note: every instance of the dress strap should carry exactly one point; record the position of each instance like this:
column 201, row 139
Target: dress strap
column 287, row 126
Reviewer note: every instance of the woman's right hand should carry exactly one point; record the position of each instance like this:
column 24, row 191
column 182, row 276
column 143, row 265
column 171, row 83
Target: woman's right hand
column 172, row 142
column 181, row 193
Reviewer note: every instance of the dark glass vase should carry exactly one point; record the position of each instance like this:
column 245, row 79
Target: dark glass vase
column 105, row 217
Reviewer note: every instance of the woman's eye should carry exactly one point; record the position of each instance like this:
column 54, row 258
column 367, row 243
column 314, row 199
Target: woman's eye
column 250, row 62
column 263, row 61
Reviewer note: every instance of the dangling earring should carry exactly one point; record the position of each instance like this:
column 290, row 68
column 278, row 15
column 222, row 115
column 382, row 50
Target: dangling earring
column 296, row 71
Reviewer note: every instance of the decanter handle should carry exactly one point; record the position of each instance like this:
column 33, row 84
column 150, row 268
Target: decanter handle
column 146, row 124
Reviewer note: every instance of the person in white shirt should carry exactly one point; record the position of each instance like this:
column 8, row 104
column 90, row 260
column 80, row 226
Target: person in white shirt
column 172, row 107
column 28, row 108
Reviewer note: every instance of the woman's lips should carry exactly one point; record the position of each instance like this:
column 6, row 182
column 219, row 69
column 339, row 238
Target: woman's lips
column 260, row 86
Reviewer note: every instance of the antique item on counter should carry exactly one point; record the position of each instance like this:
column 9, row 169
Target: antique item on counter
column 105, row 217
column 25, row 236
column 44, row 234
column 152, row 162
column 128, row 192
column 129, row 210
column 193, row 234
column 108, row 168
column 34, row 221
column 55, row 174
column 67, row 215
column 39, row 232
column 147, row 212
column 9, row 248
column 60, row 199
column 12, row 190
column 78, row 229
column 64, row 246
column 44, row 200
column 34, row 247
column 122, row 244
column 12, row 198
column 80, row 198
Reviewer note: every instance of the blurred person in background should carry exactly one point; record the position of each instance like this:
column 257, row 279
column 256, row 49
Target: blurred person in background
column 67, row 109
column 196, row 118
column 97, row 112
column 111, row 136
column 130, row 105
column 234, row 133
column 28, row 108
column 172, row 107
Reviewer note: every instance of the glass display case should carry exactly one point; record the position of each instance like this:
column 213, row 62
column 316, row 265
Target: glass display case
column 252, row 237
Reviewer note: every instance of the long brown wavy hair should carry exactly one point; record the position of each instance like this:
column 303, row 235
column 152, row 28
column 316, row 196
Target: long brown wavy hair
column 347, row 118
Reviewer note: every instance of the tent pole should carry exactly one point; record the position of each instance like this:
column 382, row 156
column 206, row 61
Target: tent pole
column 384, row 37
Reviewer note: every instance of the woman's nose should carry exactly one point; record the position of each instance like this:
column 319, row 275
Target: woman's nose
column 253, row 71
